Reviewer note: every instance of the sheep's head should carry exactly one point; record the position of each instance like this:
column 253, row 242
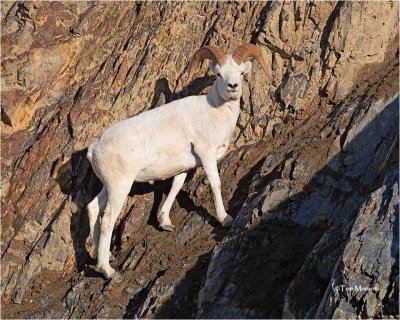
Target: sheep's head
column 229, row 69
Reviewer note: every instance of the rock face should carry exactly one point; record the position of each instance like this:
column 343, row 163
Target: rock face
column 311, row 177
column 370, row 255
column 267, row 250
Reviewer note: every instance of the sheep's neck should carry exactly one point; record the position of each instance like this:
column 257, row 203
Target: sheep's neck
column 229, row 108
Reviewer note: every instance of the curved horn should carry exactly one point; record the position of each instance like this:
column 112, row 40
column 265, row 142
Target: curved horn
column 250, row 50
column 209, row 52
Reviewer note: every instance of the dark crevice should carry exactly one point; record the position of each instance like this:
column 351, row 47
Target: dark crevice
column 139, row 298
column 78, row 96
column 261, row 22
column 138, row 8
column 324, row 43
column 5, row 118
column 70, row 126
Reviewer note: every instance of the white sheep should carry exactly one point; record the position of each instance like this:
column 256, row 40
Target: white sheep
column 167, row 142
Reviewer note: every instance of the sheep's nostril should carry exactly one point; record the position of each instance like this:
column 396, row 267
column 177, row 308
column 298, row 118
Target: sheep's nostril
column 230, row 85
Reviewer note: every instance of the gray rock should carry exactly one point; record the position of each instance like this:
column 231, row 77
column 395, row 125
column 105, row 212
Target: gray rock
column 369, row 264
column 331, row 202
column 47, row 301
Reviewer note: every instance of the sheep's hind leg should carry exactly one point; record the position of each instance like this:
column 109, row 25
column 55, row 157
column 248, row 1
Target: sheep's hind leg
column 94, row 208
column 117, row 193
column 163, row 215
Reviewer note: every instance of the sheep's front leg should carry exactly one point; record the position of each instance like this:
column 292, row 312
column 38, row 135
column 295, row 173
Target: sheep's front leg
column 163, row 215
column 208, row 159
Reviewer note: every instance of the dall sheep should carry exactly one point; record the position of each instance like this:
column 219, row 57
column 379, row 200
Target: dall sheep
column 167, row 142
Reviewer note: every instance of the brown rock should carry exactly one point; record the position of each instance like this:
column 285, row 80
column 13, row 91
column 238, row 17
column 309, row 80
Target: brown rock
column 71, row 69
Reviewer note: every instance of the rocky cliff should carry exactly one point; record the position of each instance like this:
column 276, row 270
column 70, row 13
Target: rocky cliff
column 311, row 177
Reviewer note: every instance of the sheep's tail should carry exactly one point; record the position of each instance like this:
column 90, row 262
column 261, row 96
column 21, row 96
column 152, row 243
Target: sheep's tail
column 90, row 153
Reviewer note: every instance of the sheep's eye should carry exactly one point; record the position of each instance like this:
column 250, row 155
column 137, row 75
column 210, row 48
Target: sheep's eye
column 218, row 74
column 242, row 73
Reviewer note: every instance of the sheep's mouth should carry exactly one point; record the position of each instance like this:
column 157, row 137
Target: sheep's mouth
column 233, row 94
column 233, row 90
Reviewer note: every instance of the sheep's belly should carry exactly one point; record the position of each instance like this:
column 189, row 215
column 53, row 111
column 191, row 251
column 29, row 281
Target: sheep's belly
column 165, row 167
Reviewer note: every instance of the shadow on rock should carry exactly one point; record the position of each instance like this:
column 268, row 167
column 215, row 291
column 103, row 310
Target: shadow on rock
column 284, row 254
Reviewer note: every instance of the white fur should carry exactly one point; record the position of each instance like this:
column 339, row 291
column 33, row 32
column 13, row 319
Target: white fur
column 162, row 143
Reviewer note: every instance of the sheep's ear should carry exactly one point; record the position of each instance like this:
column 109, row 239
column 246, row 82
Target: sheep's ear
column 246, row 66
column 212, row 68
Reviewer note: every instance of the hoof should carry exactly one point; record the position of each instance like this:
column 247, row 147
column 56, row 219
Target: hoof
column 168, row 227
column 117, row 278
column 227, row 222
